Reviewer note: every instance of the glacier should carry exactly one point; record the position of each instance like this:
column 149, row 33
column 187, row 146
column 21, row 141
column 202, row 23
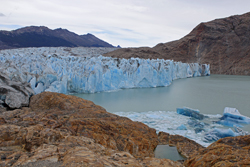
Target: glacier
column 67, row 70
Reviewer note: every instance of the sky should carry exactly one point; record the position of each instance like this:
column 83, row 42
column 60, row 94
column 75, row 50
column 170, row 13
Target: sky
column 128, row 23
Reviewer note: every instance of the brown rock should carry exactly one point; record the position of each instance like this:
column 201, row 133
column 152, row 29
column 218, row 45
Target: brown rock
column 2, row 121
column 87, row 153
column 230, row 151
column 81, row 151
column 222, row 43
column 56, row 126
column 83, row 118
column 185, row 146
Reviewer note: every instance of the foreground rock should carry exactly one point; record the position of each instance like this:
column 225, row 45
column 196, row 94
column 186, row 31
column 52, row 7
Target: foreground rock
column 185, row 146
column 13, row 93
column 222, row 43
column 66, row 130
column 230, row 151
column 78, row 151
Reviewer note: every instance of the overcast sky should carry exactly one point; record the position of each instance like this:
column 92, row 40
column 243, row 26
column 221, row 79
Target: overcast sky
column 129, row 23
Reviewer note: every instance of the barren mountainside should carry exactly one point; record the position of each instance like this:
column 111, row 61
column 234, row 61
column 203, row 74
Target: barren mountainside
column 222, row 43
column 35, row 36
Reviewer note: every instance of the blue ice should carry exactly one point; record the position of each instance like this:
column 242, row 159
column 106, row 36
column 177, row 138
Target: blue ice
column 232, row 117
column 190, row 113
column 217, row 134
column 181, row 127
column 56, row 71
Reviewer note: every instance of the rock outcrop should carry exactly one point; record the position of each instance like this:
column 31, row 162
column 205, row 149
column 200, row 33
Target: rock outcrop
column 222, row 43
column 185, row 146
column 229, row 151
column 61, row 130
column 14, row 94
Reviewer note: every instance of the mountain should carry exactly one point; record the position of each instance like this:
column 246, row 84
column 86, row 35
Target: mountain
column 222, row 43
column 35, row 36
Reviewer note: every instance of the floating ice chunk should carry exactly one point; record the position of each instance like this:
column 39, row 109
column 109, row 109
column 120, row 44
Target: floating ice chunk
column 198, row 126
column 229, row 123
column 216, row 134
column 199, row 130
column 232, row 117
column 182, row 127
column 190, row 113
column 195, row 124
column 240, row 131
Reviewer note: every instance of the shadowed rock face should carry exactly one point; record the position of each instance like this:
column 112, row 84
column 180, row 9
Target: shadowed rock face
column 13, row 94
column 222, row 43
column 230, row 151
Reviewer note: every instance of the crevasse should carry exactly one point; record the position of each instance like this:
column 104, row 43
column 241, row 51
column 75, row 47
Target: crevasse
column 61, row 71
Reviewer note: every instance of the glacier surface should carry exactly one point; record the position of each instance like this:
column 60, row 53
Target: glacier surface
column 66, row 70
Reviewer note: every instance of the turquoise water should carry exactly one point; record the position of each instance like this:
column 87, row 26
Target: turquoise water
column 171, row 153
column 210, row 94
column 156, row 107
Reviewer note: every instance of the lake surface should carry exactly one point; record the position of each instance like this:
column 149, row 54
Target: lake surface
column 156, row 107
column 172, row 153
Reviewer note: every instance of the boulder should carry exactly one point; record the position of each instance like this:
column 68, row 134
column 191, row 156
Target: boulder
column 14, row 94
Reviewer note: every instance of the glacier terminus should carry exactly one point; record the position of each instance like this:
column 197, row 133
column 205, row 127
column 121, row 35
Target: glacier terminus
column 85, row 70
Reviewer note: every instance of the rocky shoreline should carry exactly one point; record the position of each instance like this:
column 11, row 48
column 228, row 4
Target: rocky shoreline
column 62, row 130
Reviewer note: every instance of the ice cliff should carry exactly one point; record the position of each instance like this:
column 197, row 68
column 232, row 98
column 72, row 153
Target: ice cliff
column 82, row 70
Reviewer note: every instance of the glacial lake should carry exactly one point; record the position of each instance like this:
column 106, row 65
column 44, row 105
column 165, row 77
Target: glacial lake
column 156, row 107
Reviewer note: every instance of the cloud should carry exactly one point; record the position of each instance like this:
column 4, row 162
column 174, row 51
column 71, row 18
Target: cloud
column 2, row 15
column 126, row 23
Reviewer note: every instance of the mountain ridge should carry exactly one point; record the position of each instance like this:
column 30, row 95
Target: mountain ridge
column 223, row 43
column 41, row 36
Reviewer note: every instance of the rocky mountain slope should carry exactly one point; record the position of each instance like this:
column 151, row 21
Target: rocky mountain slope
column 222, row 43
column 34, row 36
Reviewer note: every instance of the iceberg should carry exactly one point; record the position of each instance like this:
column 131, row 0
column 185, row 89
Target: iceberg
column 181, row 127
column 190, row 112
column 217, row 134
column 232, row 118
column 198, row 126
column 76, row 70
